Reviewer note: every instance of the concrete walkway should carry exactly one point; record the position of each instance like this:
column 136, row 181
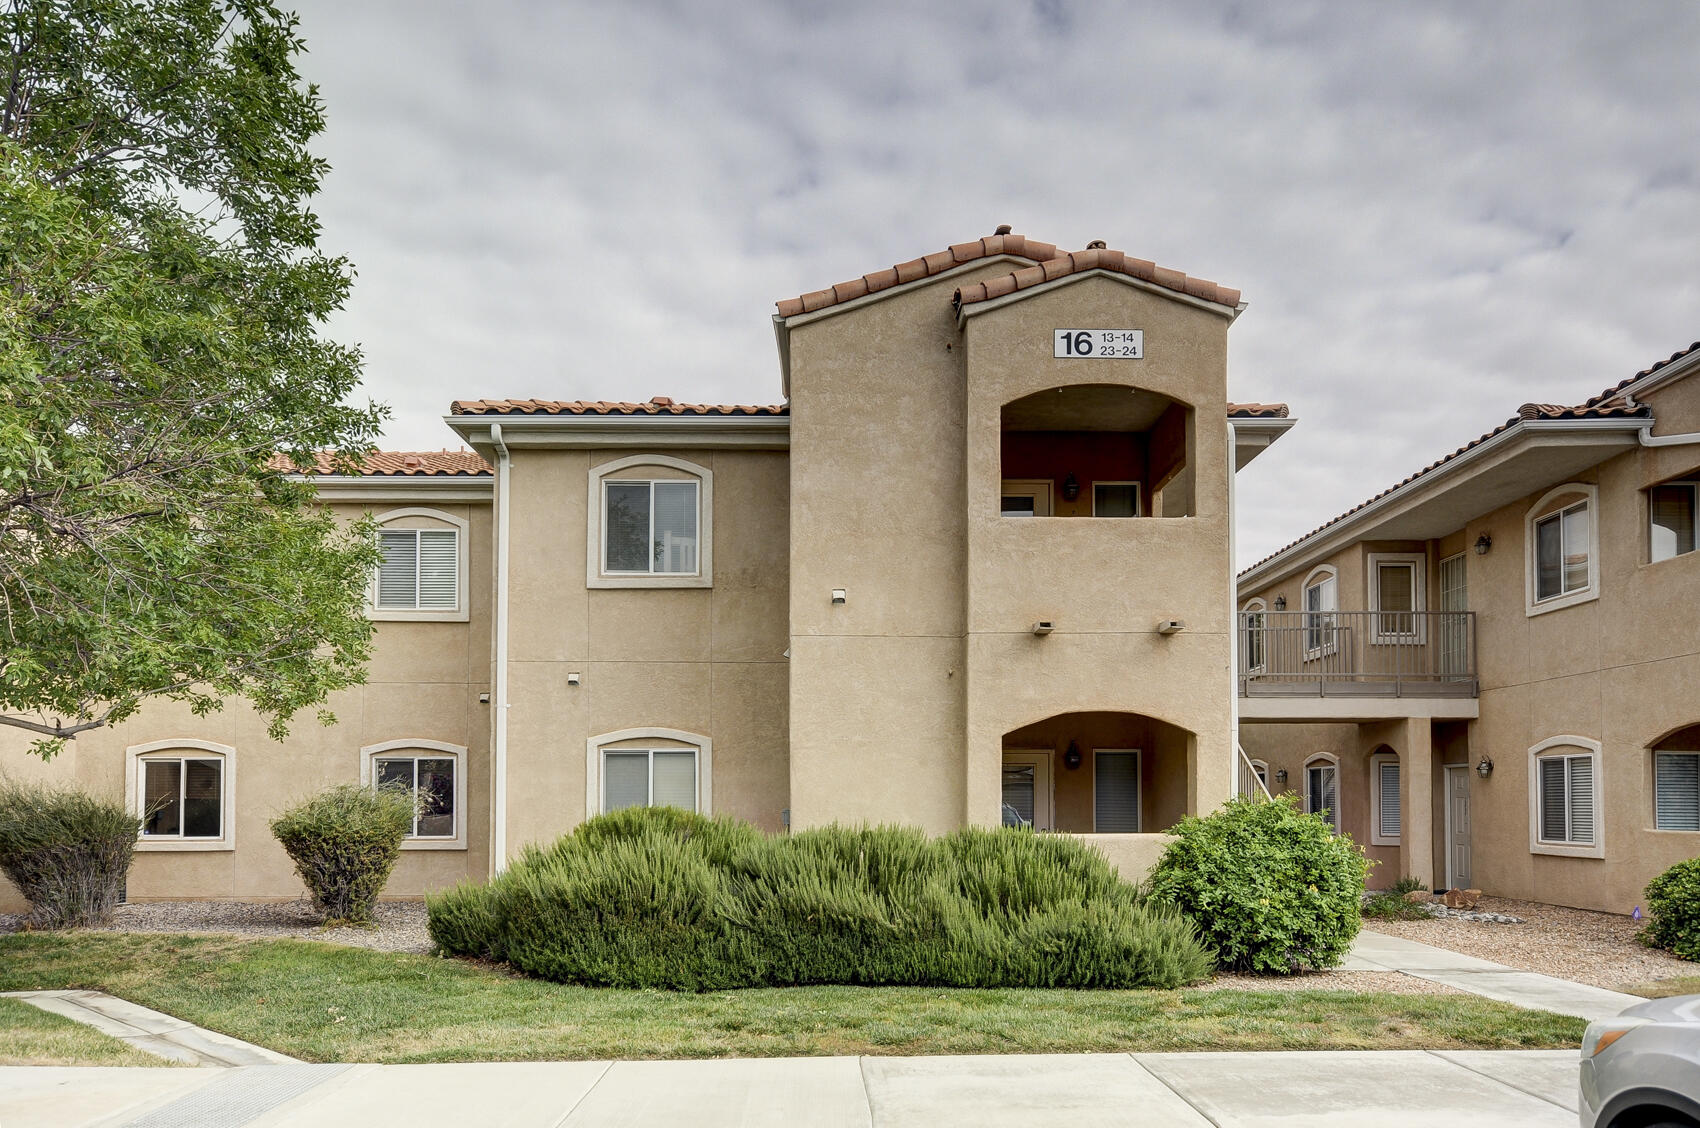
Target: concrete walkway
column 149, row 1030
column 1389, row 1089
column 1374, row 951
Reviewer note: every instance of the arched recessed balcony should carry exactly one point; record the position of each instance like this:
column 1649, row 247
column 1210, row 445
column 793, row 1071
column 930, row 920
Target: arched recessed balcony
column 1097, row 450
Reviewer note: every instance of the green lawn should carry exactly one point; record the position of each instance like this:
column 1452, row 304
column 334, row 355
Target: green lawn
column 326, row 1003
column 29, row 1036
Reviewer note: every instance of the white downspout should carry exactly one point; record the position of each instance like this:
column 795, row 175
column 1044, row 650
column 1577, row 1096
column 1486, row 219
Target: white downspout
column 499, row 749
column 1233, row 622
column 1648, row 439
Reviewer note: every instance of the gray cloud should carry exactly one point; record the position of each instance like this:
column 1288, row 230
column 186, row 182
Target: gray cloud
column 1436, row 211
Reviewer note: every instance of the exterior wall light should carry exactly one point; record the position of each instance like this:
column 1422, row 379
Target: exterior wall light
column 1483, row 543
column 1071, row 487
column 1280, row 603
column 1072, row 758
column 1281, row 777
column 839, row 595
column 1485, row 768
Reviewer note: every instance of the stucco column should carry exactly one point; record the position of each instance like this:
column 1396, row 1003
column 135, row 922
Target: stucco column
column 1416, row 803
column 1210, row 772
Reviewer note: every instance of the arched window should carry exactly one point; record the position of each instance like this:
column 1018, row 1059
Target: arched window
column 422, row 576
column 1676, row 781
column 434, row 773
column 1386, row 811
column 1566, row 811
column 1322, row 788
column 1320, row 598
column 1253, row 654
column 184, row 791
column 651, row 523
column 1562, row 548
column 648, row 767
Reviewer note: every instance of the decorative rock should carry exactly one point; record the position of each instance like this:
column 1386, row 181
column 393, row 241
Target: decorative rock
column 1462, row 898
column 1419, row 896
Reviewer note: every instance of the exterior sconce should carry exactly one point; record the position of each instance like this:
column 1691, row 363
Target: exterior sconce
column 1280, row 603
column 1483, row 543
column 1072, row 758
column 1281, row 777
column 1485, row 768
column 838, row 595
column 1071, row 488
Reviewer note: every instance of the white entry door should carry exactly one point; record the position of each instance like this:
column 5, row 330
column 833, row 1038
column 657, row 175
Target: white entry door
column 1458, row 826
column 1027, row 789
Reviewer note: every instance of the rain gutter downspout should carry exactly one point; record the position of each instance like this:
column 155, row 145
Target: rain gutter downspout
column 499, row 741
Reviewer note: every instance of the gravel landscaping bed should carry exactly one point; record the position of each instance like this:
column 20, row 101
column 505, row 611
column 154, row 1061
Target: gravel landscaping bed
column 1587, row 947
column 1391, row 982
column 399, row 925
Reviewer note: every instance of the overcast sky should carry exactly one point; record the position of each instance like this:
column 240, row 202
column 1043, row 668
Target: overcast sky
column 1437, row 212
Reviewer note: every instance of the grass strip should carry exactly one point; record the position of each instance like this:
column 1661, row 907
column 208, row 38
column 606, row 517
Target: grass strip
column 31, row 1036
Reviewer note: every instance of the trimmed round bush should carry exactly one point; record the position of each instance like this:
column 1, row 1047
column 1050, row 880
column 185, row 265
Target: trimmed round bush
column 344, row 842
column 1271, row 889
column 658, row 897
column 67, row 851
column 1673, row 908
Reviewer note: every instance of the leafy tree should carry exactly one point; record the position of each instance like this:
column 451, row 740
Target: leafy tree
column 161, row 302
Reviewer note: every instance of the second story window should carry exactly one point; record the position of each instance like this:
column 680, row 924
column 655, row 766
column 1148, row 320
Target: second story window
column 420, row 570
column 1670, row 512
column 1561, row 552
column 1397, row 596
column 1321, row 600
column 650, row 527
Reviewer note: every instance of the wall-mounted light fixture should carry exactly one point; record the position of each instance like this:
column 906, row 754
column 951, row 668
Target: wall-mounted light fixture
column 1485, row 768
column 1072, row 758
column 573, row 678
column 1071, row 487
column 1281, row 777
column 1483, row 543
column 1043, row 627
column 838, row 595
column 1280, row 603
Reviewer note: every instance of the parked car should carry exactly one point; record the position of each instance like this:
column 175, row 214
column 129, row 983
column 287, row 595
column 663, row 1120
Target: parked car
column 1641, row 1069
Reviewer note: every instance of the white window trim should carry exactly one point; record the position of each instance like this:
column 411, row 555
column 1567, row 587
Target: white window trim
column 1694, row 488
column 1259, row 607
column 1572, row 745
column 459, row 613
column 1317, row 575
column 431, row 750
column 596, row 745
column 595, row 549
column 183, row 748
column 1039, row 489
column 1654, row 787
column 1418, row 562
column 1138, row 502
column 1138, row 775
column 1260, row 769
column 1376, row 762
column 1539, row 510
column 1304, row 784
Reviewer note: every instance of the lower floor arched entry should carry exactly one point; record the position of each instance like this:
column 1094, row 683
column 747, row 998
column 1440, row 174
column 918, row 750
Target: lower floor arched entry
column 1096, row 773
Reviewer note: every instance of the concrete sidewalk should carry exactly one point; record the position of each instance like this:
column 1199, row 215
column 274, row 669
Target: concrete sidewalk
column 1375, row 951
column 154, row 1031
column 1389, row 1089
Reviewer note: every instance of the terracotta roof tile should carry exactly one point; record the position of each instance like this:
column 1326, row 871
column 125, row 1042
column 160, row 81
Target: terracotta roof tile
column 1257, row 411
column 660, row 405
column 397, row 463
column 1048, row 270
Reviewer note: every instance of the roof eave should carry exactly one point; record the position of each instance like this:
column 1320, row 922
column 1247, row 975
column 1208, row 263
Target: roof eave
column 1255, row 434
column 971, row 309
column 748, row 432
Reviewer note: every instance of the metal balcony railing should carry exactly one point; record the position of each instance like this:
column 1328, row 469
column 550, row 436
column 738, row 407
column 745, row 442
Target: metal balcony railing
column 1357, row 653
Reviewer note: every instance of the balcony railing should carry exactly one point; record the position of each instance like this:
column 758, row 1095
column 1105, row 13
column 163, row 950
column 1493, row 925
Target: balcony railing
column 1357, row 653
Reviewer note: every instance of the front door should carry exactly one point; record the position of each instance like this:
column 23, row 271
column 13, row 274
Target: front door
column 1458, row 826
column 1027, row 789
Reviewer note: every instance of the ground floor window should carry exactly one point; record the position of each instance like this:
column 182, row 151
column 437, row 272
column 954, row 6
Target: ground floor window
column 1676, row 790
column 1322, row 791
column 431, row 781
column 182, row 797
column 1115, row 795
column 1565, row 815
column 649, row 777
column 1385, row 813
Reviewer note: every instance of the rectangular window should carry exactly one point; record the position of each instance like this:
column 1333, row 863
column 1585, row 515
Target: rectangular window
column 420, row 570
column 650, row 528
column 640, row 777
column 431, row 781
column 1454, row 625
column 1676, row 790
column 183, row 798
column 1322, row 793
column 1670, row 508
column 1567, row 800
column 1320, row 599
column 1561, row 552
column 1025, row 498
column 1115, row 499
column 1115, row 798
column 1396, row 598
column 1254, row 641
column 1387, row 820
column 1020, row 792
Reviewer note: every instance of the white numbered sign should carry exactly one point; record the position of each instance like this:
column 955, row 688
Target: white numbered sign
column 1121, row 344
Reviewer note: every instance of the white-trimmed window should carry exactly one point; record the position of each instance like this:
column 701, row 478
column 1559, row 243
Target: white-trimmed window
column 434, row 773
column 651, row 523
column 183, row 791
column 1398, row 595
column 422, row 575
column 1321, row 596
column 1563, row 548
column 1566, row 811
column 1670, row 519
column 1115, row 790
column 1676, row 790
column 1385, row 808
column 649, row 767
column 1253, row 643
column 1115, row 499
column 1025, row 497
column 1322, row 789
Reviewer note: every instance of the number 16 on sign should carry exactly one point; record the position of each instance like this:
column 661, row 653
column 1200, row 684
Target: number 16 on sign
column 1123, row 344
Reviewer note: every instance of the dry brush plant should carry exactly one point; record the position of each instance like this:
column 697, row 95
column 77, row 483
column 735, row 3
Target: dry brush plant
column 67, row 851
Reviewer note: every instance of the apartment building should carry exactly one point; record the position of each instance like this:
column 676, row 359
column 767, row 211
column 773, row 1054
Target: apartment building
column 975, row 567
column 1489, row 674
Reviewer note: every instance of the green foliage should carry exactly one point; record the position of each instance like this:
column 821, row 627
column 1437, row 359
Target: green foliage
column 156, row 359
column 1390, row 903
column 657, row 897
column 67, row 851
column 1273, row 890
column 344, row 842
column 1673, row 908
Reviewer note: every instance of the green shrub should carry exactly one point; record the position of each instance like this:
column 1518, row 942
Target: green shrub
column 656, row 897
column 1673, row 909
column 344, row 842
column 1390, row 903
column 1271, row 889
column 67, row 851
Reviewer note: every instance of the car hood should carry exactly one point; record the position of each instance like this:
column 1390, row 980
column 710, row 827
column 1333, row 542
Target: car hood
column 1677, row 1008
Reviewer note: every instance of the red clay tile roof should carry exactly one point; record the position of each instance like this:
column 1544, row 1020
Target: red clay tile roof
column 1051, row 264
column 399, row 463
column 1609, row 404
column 1257, row 411
column 660, row 405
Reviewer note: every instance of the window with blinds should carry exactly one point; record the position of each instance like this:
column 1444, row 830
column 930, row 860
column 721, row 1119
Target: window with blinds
column 649, row 528
column 1566, row 800
column 1020, row 792
column 182, row 797
column 1115, row 797
column 420, row 570
column 1676, row 790
column 649, row 777
column 1387, row 810
column 1670, row 510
